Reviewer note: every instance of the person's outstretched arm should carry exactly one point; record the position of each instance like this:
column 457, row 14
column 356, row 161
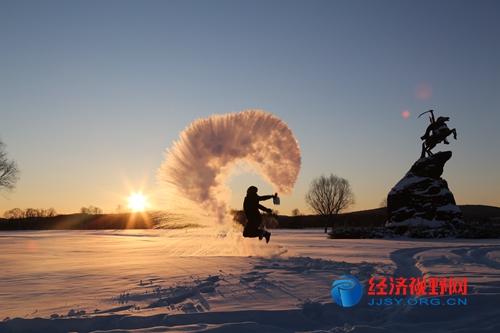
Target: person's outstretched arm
column 265, row 197
column 267, row 210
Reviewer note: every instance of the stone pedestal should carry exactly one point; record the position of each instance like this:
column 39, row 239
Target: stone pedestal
column 421, row 204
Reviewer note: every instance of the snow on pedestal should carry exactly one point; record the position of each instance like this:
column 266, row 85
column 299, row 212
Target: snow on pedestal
column 421, row 204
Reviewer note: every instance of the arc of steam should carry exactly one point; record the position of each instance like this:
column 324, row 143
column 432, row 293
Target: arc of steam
column 199, row 162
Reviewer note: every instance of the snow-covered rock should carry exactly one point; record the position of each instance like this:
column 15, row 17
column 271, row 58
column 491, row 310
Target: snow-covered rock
column 421, row 204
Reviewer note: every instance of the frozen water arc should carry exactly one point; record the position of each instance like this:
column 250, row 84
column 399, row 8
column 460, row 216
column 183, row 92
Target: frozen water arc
column 198, row 164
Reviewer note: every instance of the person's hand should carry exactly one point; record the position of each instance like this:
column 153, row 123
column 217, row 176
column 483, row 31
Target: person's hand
column 275, row 195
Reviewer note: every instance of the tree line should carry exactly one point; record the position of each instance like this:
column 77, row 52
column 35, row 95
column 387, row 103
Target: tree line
column 17, row 213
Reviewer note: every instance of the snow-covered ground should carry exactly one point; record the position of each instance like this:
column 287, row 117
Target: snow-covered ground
column 200, row 280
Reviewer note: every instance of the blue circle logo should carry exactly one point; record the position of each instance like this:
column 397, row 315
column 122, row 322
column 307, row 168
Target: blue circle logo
column 347, row 291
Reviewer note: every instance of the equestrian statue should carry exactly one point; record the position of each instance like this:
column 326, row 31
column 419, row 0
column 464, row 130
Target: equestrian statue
column 435, row 133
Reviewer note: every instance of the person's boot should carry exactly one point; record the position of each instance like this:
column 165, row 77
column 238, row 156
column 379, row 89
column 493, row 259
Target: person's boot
column 261, row 235
column 268, row 236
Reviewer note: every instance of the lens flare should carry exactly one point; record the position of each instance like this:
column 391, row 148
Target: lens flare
column 198, row 165
column 405, row 114
column 423, row 91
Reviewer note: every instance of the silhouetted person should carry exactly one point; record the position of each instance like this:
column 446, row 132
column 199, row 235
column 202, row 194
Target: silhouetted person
column 251, row 207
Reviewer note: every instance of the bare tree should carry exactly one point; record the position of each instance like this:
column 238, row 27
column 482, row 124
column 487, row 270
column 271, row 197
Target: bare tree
column 92, row 210
column 32, row 212
column 327, row 196
column 296, row 212
column 14, row 213
column 8, row 170
column 383, row 203
column 50, row 212
column 119, row 209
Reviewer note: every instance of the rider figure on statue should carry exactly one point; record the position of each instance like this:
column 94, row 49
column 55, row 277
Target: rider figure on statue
column 435, row 133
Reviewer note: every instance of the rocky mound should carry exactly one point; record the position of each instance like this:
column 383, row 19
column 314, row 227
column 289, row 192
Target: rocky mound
column 421, row 204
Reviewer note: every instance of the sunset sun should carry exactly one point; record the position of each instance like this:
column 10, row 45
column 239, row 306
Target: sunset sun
column 137, row 202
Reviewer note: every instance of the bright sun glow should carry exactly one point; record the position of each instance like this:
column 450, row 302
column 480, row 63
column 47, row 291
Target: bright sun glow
column 137, row 202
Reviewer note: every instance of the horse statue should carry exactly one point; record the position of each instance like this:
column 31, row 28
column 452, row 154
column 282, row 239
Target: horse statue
column 436, row 132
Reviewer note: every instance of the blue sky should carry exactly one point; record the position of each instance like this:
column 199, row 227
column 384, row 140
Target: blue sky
column 93, row 92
